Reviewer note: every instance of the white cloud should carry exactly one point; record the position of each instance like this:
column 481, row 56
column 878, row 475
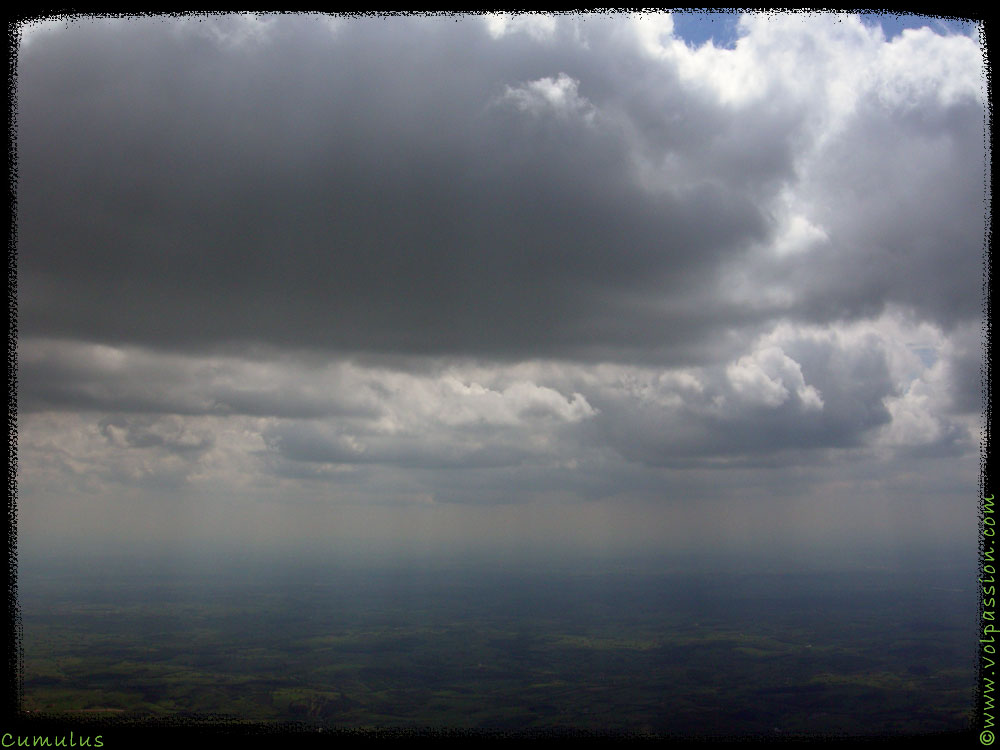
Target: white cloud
column 654, row 32
column 536, row 25
column 769, row 377
column 921, row 68
column 558, row 95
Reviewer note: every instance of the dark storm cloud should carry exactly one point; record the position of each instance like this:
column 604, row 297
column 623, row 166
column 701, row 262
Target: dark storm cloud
column 379, row 188
column 416, row 186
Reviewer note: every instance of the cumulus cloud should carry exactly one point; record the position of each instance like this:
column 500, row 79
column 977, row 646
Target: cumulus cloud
column 765, row 377
column 496, row 258
column 536, row 25
column 558, row 95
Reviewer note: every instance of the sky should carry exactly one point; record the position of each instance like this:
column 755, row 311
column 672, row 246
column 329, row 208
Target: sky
column 590, row 282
